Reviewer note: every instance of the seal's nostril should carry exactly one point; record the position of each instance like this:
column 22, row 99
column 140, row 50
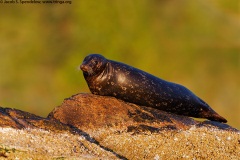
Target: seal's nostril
column 83, row 67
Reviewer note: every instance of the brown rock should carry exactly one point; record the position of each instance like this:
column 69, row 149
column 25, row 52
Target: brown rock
column 137, row 132
column 27, row 136
column 18, row 119
column 90, row 112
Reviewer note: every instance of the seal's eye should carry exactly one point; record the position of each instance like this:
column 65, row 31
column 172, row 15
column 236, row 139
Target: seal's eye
column 95, row 62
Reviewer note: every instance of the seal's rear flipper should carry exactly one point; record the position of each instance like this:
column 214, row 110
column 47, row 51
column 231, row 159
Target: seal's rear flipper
column 209, row 113
column 217, row 117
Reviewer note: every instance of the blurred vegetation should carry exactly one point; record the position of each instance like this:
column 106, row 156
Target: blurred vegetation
column 194, row 43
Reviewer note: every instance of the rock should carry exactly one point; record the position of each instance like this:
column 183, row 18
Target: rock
column 29, row 136
column 19, row 119
column 42, row 144
column 87, row 126
column 138, row 132
column 90, row 112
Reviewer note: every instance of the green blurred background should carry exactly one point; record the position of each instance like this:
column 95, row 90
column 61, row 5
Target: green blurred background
column 194, row 43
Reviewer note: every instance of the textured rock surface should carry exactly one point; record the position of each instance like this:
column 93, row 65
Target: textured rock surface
column 29, row 136
column 87, row 126
column 90, row 112
column 42, row 144
column 146, row 133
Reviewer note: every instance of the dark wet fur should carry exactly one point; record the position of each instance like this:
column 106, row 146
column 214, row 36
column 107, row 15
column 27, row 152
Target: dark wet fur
column 90, row 72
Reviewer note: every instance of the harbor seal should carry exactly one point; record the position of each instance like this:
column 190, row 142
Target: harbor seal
column 110, row 78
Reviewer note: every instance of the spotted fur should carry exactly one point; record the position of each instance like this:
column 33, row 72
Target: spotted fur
column 110, row 78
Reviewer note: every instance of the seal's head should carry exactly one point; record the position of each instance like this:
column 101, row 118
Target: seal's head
column 93, row 64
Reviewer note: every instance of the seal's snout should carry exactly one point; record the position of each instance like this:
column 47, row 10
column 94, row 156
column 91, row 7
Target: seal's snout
column 83, row 67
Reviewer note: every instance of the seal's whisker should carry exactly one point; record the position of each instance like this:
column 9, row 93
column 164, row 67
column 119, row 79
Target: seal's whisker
column 77, row 68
